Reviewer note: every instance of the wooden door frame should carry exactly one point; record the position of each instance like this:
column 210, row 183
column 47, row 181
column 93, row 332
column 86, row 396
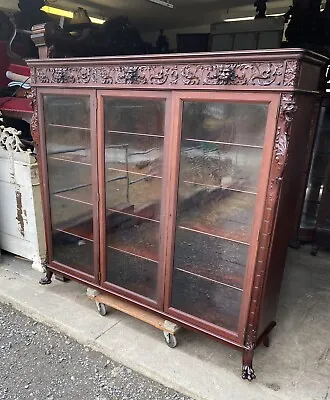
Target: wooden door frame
column 41, row 92
column 178, row 97
column 147, row 95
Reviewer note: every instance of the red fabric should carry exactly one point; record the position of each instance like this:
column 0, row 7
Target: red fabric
column 5, row 65
column 19, row 69
column 16, row 104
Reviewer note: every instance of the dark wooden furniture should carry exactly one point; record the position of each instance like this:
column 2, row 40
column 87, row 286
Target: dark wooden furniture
column 170, row 181
column 322, row 227
column 317, row 176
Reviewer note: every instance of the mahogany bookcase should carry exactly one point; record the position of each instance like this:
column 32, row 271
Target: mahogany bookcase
column 170, row 181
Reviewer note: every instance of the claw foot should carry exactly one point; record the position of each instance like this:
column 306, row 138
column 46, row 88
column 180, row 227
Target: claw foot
column 248, row 373
column 47, row 279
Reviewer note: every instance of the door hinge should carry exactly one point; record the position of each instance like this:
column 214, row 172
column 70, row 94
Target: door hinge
column 99, row 276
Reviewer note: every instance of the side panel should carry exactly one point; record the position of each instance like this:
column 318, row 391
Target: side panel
column 299, row 137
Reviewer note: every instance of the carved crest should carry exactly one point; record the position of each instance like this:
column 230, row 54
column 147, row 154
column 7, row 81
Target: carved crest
column 34, row 125
column 199, row 74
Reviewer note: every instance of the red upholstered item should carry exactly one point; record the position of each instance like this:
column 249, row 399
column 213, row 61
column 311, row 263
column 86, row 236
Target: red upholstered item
column 15, row 104
column 19, row 69
column 5, row 65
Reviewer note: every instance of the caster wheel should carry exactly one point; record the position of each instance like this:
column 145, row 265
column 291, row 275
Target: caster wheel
column 170, row 340
column 102, row 309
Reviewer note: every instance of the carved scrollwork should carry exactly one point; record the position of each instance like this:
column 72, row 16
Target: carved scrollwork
column 291, row 73
column 261, row 74
column 191, row 74
column 159, row 75
column 34, row 125
column 131, row 75
column 288, row 108
column 10, row 139
column 200, row 74
column 104, row 74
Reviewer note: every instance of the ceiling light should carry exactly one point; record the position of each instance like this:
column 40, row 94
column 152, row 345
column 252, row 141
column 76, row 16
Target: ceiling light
column 68, row 14
column 249, row 18
column 164, row 3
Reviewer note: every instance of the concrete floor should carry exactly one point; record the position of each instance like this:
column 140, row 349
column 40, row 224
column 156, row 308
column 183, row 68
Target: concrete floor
column 295, row 367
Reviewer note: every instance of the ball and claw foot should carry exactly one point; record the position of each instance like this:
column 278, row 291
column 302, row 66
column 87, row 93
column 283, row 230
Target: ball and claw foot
column 248, row 373
column 47, row 279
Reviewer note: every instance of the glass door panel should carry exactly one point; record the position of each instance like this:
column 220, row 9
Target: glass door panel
column 220, row 159
column 134, row 140
column 68, row 145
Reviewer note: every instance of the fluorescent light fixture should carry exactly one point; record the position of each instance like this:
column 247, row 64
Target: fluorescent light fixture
column 249, row 18
column 68, row 14
column 162, row 3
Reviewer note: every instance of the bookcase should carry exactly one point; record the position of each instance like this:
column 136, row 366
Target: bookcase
column 170, row 181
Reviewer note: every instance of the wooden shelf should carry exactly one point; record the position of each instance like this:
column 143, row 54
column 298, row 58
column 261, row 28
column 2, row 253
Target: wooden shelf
column 138, row 214
column 68, row 127
column 129, row 251
column 221, row 234
column 75, row 159
column 76, row 199
column 223, row 143
column 79, row 231
column 190, row 270
column 135, row 134
column 233, row 188
column 133, row 172
column 133, row 235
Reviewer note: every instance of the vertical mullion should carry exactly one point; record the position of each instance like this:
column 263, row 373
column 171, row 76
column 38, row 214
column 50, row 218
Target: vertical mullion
column 163, row 245
column 172, row 192
column 94, row 159
column 101, row 189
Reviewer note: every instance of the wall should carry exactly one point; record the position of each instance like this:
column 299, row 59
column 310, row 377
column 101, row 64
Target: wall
column 151, row 37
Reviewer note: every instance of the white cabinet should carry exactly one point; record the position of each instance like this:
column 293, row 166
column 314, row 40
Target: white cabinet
column 21, row 217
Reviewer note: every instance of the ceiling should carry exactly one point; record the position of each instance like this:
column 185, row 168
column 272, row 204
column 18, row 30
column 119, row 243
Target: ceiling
column 151, row 17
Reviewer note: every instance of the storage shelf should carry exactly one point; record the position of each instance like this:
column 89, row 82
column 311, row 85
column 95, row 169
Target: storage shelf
column 186, row 271
column 132, row 215
column 69, row 127
column 67, row 160
column 124, row 250
column 56, row 158
column 223, row 236
column 72, row 199
column 136, row 134
column 233, row 188
column 78, row 233
column 133, row 172
column 224, row 143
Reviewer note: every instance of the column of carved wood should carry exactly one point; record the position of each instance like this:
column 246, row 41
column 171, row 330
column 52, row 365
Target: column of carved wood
column 287, row 110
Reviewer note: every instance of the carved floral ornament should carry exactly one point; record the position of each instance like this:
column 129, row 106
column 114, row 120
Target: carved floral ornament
column 282, row 73
column 288, row 108
column 10, row 139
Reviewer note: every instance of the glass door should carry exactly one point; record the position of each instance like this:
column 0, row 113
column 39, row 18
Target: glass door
column 134, row 134
column 219, row 162
column 69, row 136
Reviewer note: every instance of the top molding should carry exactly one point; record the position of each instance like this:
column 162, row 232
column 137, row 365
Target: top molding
column 283, row 70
